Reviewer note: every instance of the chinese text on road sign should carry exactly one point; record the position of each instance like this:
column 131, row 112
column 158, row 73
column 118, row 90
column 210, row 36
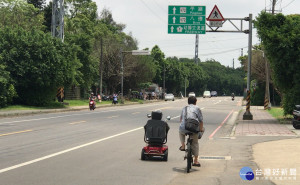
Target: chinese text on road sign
column 186, row 19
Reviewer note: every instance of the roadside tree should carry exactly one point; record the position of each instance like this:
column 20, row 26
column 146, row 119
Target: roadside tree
column 280, row 37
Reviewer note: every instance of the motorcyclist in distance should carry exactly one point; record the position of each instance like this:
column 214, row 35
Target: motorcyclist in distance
column 232, row 95
column 92, row 97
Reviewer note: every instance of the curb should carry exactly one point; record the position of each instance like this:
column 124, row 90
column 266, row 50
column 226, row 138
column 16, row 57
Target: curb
column 13, row 113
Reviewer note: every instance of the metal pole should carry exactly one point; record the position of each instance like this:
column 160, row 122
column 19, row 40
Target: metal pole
column 273, row 6
column 164, row 89
column 268, row 84
column 247, row 115
column 249, row 52
column 196, row 48
column 184, row 87
column 122, row 76
column 101, row 66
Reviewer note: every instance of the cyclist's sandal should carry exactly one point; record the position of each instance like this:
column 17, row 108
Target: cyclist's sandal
column 197, row 164
column 181, row 149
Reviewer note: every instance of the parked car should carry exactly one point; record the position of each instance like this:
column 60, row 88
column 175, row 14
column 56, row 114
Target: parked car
column 169, row 96
column 192, row 94
column 206, row 94
column 214, row 93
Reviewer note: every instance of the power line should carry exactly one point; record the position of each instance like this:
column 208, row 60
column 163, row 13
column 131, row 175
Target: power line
column 288, row 4
column 164, row 10
column 216, row 53
column 202, row 41
column 153, row 12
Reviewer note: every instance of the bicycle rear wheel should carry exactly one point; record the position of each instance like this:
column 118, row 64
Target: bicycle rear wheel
column 189, row 158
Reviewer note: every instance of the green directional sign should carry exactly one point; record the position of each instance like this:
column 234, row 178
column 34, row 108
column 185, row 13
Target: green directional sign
column 186, row 29
column 186, row 19
column 187, row 10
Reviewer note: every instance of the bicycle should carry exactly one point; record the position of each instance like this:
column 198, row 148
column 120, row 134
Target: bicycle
column 188, row 153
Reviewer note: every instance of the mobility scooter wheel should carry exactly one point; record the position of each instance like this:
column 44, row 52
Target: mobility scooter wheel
column 165, row 158
column 143, row 157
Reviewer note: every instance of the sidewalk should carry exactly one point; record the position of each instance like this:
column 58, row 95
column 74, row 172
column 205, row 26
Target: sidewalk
column 263, row 124
column 278, row 161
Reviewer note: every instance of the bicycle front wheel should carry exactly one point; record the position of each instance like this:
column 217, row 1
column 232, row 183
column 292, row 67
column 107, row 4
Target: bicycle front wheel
column 189, row 158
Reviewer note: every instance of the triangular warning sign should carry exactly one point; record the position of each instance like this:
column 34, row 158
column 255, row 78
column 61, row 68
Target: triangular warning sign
column 215, row 15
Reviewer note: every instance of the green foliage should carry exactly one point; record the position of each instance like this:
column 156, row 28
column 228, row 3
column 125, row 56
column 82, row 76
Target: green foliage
column 38, row 64
column 257, row 93
column 159, row 64
column 280, row 36
column 223, row 79
column 7, row 90
column 279, row 114
column 18, row 13
column 37, row 3
column 47, row 11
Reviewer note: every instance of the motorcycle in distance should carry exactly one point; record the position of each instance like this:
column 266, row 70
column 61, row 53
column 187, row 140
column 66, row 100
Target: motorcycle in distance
column 232, row 96
column 92, row 104
column 296, row 115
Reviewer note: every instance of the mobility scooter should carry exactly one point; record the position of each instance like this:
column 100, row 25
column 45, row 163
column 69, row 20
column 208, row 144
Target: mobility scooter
column 296, row 115
column 155, row 136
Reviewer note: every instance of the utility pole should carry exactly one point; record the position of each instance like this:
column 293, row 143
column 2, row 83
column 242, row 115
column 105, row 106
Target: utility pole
column 233, row 64
column 267, row 102
column 196, row 48
column 101, row 65
column 184, row 86
column 273, row 6
column 57, row 22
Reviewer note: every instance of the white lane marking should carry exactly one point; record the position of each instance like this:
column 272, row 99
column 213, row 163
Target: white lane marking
column 112, row 117
column 55, row 117
column 66, row 151
column 175, row 117
column 135, row 112
column 73, row 123
column 218, row 102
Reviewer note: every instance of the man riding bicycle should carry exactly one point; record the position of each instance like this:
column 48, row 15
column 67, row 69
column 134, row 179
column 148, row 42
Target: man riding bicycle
column 194, row 112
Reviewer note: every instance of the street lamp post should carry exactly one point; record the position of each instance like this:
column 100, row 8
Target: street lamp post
column 133, row 52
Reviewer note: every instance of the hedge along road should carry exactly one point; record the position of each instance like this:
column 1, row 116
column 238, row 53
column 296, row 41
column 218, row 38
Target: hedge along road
column 98, row 147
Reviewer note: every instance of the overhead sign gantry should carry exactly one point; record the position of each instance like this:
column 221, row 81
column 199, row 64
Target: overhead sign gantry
column 186, row 19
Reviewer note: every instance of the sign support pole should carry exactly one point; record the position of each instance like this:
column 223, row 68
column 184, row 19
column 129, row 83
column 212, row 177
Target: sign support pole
column 247, row 115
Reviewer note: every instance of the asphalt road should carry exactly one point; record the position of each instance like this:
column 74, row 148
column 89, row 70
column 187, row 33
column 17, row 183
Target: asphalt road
column 101, row 146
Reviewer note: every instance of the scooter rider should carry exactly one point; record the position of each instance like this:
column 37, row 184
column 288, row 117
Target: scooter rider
column 93, row 98
column 232, row 95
